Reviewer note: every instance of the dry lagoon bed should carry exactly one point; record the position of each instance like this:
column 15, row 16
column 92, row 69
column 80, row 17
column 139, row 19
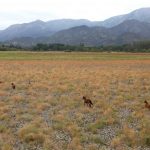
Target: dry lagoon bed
column 46, row 111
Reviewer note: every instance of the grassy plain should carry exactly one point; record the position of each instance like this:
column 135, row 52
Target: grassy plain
column 46, row 110
column 17, row 55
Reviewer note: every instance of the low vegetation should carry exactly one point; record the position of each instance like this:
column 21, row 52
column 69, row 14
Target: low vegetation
column 82, row 56
column 141, row 46
column 46, row 109
column 134, row 47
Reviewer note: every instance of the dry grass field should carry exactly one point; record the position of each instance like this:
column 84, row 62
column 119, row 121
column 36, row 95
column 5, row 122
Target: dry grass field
column 46, row 110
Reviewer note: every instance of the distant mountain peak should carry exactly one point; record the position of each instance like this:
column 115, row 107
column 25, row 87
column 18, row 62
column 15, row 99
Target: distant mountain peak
column 37, row 21
column 142, row 14
column 145, row 9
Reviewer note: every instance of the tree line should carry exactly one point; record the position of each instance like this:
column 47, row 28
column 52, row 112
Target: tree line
column 142, row 46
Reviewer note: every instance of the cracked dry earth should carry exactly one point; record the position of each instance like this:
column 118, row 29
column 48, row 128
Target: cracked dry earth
column 46, row 110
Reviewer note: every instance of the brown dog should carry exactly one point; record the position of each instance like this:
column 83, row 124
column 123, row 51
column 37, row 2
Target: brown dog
column 87, row 102
column 147, row 105
column 13, row 86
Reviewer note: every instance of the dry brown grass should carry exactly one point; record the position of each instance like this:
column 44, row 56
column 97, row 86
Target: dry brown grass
column 49, row 113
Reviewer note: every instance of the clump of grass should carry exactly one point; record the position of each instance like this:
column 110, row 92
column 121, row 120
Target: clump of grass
column 4, row 117
column 96, row 140
column 49, row 144
column 26, row 117
column 146, row 140
column 59, row 125
column 97, row 125
column 60, row 122
column 75, row 144
column 17, row 98
column 74, row 130
column 130, row 136
column 145, row 133
column 41, row 106
column 117, row 142
column 4, row 109
column 3, row 129
column 7, row 147
column 31, row 134
column 3, row 93
column 32, row 137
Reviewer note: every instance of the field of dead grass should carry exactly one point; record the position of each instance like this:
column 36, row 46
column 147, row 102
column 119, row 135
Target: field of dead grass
column 46, row 110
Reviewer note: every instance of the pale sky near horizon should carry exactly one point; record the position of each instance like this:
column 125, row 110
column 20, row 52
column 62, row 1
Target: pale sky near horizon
column 20, row 11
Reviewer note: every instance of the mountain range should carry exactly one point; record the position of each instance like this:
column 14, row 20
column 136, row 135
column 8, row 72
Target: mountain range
column 122, row 29
column 126, row 32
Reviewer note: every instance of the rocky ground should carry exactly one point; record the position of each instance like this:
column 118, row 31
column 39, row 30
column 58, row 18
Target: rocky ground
column 46, row 110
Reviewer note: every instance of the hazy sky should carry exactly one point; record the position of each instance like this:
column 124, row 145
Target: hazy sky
column 19, row 11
